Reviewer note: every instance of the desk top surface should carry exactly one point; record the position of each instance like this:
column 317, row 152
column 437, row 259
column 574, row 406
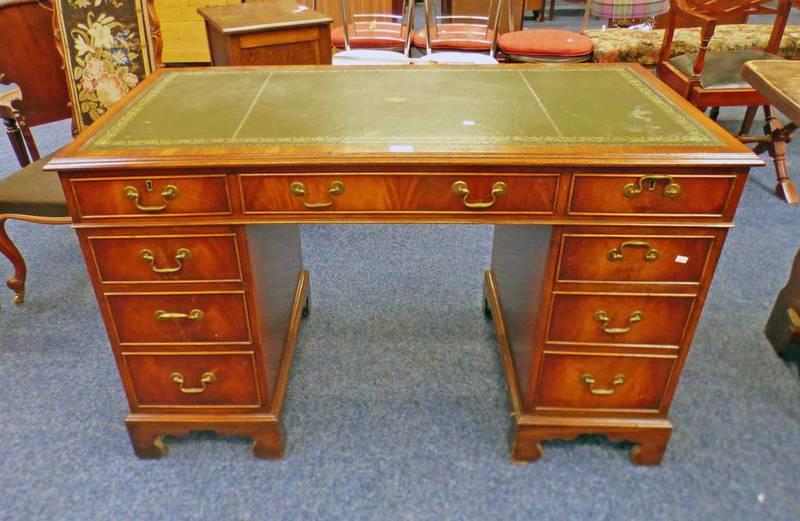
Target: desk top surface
column 564, row 114
column 779, row 82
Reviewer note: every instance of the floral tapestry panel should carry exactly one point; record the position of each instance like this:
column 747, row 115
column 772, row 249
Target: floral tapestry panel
column 105, row 45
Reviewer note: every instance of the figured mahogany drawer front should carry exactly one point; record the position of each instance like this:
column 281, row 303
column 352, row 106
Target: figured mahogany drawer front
column 193, row 379
column 629, row 258
column 182, row 318
column 570, row 381
column 153, row 196
column 650, row 320
column 167, row 258
column 656, row 194
column 530, row 193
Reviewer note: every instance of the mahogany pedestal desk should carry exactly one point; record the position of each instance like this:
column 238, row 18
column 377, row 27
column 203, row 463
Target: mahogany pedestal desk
column 277, row 32
column 611, row 197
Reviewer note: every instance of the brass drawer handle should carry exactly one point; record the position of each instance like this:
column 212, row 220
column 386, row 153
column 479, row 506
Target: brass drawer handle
column 181, row 255
column 461, row 189
column 206, row 379
column 194, row 314
column 299, row 189
column 169, row 192
column 671, row 189
column 588, row 379
column 604, row 319
column 615, row 254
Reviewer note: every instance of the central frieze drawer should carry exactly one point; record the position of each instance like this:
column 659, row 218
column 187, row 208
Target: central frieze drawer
column 650, row 194
column 612, row 318
column 193, row 379
column 167, row 258
column 603, row 381
column 523, row 193
column 633, row 258
column 151, row 196
column 179, row 318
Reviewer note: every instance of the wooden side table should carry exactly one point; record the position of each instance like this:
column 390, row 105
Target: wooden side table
column 278, row 32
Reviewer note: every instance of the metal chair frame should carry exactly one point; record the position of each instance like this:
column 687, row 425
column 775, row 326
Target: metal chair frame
column 361, row 21
column 480, row 29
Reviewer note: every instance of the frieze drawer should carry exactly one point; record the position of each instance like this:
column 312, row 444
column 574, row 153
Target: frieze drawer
column 151, row 197
column 651, row 194
column 521, row 193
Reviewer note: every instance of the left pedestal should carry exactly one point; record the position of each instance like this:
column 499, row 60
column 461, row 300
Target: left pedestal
column 202, row 321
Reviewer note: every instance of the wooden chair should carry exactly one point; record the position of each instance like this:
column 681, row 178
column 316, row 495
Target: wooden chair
column 98, row 62
column 34, row 68
column 713, row 79
column 461, row 32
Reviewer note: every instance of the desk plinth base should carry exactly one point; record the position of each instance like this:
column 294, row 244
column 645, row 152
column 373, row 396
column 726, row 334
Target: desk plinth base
column 146, row 430
column 650, row 436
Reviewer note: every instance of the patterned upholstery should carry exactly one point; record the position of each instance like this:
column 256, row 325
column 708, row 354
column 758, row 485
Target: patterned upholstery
column 624, row 45
column 629, row 8
column 109, row 46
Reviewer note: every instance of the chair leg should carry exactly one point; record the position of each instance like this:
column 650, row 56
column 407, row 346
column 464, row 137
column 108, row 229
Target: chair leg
column 777, row 151
column 33, row 150
column 7, row 248
column 714, row 113
column 747, row 122
column 17, row 141
column 552, row 10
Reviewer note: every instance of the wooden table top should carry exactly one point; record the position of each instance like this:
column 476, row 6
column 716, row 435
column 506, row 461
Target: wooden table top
column 251, row 17
column 779, row 82
column 577, row 114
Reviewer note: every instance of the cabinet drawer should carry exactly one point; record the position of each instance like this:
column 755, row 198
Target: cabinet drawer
column 604, row 381
column 166, row 258
column 193, row 379
column 656, row 194
column 151, row 196
column 179, row 318
column 530, row 193
column 633, row 258
column 647, row 320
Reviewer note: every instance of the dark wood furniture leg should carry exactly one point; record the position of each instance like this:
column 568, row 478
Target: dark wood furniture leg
column 552, row 15
column 747, row 122
column 17, row 282
column 17, row 141
column 776, row 146
column 33, row 150
column 783, row 326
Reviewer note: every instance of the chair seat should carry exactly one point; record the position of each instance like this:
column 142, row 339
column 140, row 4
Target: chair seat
column 379, row 35
column 453, row 58
column 456, row 37
column 779, row 82
column 370, row 57
column 722, row 70
column 33, row 192
column 546, row 43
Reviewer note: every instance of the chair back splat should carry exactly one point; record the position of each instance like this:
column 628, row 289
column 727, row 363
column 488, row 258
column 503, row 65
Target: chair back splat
column 375, row 30
column 467, row 32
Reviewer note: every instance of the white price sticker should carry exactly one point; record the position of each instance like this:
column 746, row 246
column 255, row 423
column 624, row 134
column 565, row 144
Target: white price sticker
column 681, row 259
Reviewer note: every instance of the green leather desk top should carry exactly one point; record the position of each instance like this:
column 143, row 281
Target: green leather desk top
column 273, row 113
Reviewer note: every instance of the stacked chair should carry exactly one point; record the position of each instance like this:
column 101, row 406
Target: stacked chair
column 373, row 38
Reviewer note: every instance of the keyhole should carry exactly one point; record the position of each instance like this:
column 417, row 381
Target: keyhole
column 651, row 185
column 148, row 185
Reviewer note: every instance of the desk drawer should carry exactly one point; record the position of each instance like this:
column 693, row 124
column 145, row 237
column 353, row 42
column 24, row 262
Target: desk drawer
column 166, row 258
column 603, row 381
column 613, row 318
column 151, row 196
column 650, row 194
column 179, row 318
column 193, row 379
column 633, row 258
column 528, row 193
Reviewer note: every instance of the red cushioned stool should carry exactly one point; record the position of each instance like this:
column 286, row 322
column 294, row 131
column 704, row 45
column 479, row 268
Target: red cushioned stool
column 545, row 45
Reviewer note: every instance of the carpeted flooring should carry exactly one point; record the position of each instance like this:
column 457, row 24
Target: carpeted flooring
column 397, row 408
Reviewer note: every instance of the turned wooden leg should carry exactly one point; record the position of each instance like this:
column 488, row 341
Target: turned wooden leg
column 17, row 142
column 747, row 122
column 17, row 282
column 777, row 151
column 268, row 443
column 147, row 444
column 27, row 136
